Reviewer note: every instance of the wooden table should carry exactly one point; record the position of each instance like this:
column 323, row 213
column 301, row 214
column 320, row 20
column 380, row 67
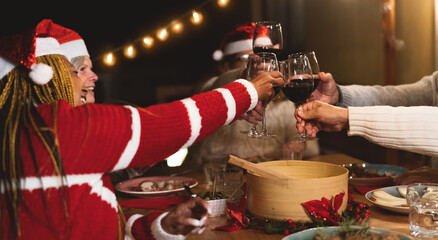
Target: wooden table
column 378, row 218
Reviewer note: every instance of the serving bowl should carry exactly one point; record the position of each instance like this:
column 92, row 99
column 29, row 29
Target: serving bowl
column 371, row 175
column 281, row 199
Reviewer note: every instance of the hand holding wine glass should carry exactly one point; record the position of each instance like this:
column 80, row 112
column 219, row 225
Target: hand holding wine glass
column 257, row 64
column 299, row 84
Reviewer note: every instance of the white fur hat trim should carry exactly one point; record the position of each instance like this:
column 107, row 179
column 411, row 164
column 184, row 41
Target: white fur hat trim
column 264, row 41
column 74, row 49
column 238, row 46
column 46, row 46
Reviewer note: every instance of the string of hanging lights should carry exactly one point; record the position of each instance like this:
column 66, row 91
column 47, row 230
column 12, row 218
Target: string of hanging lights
column 162, row 34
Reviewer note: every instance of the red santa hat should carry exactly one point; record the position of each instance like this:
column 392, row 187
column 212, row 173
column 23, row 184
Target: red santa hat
column 24, row 48
column 71, row 42
column 238, row 40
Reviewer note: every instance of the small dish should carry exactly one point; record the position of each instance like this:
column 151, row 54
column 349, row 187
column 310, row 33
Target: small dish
column 128, row 185
column 393, row 190
column 309, row 233
column 371, row 175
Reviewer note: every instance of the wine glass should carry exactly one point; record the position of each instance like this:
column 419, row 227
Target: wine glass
column 268, row 37
column 313, row 64
column 258, row 63
column 299, row 84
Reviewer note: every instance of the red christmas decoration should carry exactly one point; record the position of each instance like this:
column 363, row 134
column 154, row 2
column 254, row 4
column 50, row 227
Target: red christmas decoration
column 324, row 210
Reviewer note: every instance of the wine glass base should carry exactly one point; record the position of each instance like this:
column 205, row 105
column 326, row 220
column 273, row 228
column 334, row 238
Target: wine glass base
column 304, row 139
column 267, row 135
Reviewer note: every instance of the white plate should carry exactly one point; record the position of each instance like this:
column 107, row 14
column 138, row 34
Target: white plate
column 392, row 191
column 309, row 233
column 126, row 186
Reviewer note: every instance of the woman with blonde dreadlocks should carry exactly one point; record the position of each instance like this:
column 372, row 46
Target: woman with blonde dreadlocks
column 54, row 156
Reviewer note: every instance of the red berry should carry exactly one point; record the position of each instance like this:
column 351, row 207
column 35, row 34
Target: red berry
column 289, row 221
column 286, row 231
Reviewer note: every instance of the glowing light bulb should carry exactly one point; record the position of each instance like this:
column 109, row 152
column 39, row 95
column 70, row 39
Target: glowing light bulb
column 177, row 27
column 109, row 59
column 196, row 17
column 130, row 51
column 148, row 41
column 162, row 34
column 222, row 3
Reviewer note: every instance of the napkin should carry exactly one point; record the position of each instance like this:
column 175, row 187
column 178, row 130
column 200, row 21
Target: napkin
column 159, row 203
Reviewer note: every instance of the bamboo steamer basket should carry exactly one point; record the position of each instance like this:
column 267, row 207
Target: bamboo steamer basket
column 281, row 199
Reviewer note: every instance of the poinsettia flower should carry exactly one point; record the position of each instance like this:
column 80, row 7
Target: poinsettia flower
column 325, row 210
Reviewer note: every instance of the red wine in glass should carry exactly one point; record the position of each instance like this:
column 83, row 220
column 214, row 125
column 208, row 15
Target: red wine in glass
column 298, row 91
column 316, row 79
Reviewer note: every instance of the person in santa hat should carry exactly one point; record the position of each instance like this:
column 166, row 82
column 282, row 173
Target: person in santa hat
column 232, row 53
column 74, row 48
column 55, row 155
column 76, row 52
column 234, row 49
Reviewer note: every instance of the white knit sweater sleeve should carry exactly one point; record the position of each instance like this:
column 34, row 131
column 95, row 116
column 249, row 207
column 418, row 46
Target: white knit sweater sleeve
column 412, row 129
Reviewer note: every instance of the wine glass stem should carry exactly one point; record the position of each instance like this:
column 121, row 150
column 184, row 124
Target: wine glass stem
column 264, row 122
column 303, row 135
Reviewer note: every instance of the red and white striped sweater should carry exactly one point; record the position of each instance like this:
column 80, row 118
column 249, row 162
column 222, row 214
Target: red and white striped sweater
column 96, row 139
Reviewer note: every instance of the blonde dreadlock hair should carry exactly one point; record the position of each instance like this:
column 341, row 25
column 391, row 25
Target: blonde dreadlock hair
column 18, row 115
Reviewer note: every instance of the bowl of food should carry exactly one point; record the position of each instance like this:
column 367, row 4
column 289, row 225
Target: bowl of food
column 281, row 199
column 371, row 175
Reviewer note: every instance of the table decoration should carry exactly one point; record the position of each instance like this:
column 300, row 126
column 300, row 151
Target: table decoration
column 322, row 213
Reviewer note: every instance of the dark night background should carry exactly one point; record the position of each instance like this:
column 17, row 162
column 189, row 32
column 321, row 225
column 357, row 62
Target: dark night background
column 183, row 59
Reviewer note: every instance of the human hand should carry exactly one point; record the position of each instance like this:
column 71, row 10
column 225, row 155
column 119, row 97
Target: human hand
column 421, row 174
column 265, row 82
column 326, row 90
column 255, row 115
column 189, row 216
column 318, row 116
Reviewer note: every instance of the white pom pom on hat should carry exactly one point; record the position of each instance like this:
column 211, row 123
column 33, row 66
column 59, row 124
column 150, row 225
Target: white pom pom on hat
column 41, row 73
column 218, row 55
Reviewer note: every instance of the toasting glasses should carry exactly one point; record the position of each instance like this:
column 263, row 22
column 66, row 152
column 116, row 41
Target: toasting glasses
column 258, row 63
column 268, row 38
